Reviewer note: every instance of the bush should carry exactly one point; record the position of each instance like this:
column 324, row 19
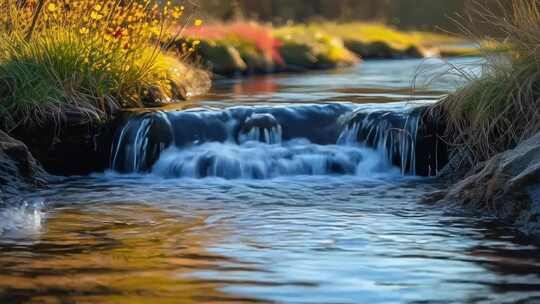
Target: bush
column 254, row 43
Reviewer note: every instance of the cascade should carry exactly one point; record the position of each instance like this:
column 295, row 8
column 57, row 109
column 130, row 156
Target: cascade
column 268, row 142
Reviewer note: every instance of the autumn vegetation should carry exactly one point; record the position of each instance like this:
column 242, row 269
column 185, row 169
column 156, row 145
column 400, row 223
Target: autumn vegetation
column 246, row 47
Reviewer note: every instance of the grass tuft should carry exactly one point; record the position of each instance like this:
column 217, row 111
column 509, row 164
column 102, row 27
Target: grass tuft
column 500, row 108
column 89, row 57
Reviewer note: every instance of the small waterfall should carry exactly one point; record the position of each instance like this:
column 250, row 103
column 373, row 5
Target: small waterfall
column 268, row 142
column 393, row 134
column 269, row 136
column 140, row 142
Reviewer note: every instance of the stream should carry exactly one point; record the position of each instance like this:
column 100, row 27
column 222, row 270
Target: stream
column 292, row 188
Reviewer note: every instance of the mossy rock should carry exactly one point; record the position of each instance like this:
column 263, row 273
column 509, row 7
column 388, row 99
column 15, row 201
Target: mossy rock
column 222, row 59
column 336, row 56
column 373, row 50
column 325, row 61
column 298, row 56
column 256, row 61
column 19, row 171
column 76, row 145
column 413, row 51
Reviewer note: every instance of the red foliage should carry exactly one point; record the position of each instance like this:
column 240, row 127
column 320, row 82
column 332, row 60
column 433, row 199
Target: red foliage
column 256, row 34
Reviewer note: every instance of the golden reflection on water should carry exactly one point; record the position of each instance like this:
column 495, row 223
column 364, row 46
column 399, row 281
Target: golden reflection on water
column 128, row 253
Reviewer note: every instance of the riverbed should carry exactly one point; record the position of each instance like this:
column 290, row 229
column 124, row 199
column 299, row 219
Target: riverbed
column 293, row 209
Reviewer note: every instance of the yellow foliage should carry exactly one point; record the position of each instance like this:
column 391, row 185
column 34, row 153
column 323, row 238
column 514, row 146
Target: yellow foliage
column 370, row 32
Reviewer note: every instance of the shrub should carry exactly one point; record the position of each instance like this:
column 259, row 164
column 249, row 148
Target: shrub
column 244, row 36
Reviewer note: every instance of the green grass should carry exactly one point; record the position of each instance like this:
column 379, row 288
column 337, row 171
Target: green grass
column 73, row 64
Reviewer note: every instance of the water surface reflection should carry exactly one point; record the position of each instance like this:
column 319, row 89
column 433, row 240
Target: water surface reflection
column 112, row 253
column 111, row 239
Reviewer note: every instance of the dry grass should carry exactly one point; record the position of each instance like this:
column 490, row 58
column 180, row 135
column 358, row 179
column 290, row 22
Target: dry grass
column 501, row 108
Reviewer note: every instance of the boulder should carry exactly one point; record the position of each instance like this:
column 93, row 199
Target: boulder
column 75, row 145
column 413, row 51
column 256, row 61
column 261, row 127
column 298, row 56
column 372, row 50
column 506, row 186
column 222, row 59
column 19, row 171
column 419, row 133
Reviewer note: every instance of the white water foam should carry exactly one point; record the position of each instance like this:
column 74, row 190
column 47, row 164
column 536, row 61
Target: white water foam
column 256, row 160
column 21, row 220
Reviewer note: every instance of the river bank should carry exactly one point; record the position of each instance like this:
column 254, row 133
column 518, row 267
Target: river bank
column 493, row 124
column 247, row 48
column 506, row 186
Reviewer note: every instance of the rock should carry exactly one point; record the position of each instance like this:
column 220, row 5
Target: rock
column 222, row 59
column 262, row 121
column 418, row 133
column 507, row 186
column 431, row 150
column 19, row 171
column 159, row 137
column 261, row 127
column 383, row 50
column 298, row 56
column 256, row 62
column 75, row 145
column 373, row 50
column 413, row 52
column 155, row 96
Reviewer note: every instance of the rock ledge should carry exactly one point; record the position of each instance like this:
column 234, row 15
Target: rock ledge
column 19, row 171
column 506, row 186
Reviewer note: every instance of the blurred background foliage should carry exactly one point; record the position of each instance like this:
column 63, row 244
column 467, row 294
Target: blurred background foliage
column 426, row 15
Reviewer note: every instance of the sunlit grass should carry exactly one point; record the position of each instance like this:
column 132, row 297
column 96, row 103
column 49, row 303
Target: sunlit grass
column 90, row 57
column 306, row 45
column 375, row 32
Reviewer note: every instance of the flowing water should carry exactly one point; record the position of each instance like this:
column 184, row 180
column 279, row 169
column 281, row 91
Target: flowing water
column 287, row 189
